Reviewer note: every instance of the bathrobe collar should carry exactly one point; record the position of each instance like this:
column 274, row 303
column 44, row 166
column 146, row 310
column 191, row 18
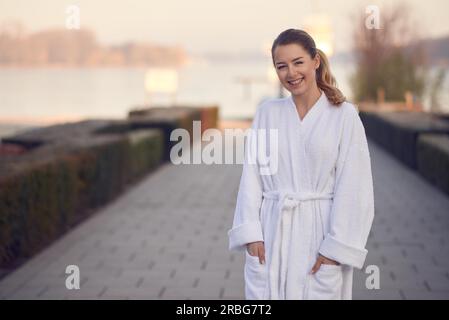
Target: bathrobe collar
column 313, row 111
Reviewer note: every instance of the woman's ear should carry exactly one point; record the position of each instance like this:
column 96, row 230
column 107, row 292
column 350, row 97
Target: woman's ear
column 317, row 61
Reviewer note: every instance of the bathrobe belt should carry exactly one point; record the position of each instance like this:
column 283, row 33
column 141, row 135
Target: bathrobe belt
column 287, row 202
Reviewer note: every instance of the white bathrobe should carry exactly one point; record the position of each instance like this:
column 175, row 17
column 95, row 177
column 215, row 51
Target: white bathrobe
column 319, row 199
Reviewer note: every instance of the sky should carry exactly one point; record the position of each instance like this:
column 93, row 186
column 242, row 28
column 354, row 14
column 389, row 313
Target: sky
column 230, row 26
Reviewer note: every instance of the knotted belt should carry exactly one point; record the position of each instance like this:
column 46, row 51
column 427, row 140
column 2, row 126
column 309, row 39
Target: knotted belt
column 287, row 202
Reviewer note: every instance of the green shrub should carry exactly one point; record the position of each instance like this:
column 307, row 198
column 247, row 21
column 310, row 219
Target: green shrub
column 48, row 191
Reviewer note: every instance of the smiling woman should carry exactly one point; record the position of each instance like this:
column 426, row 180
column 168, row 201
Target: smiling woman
column 301, row 68
column 304, row 227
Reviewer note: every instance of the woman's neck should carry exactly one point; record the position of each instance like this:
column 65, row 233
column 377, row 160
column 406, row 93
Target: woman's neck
column 305, row 101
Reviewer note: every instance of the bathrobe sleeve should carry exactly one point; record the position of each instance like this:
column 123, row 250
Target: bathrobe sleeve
column 352, row 209
column 246, row 226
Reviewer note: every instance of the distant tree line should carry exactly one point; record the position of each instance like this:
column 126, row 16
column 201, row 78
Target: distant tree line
column 65, row 47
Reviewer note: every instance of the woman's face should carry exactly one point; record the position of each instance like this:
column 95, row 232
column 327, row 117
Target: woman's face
column 295, row 68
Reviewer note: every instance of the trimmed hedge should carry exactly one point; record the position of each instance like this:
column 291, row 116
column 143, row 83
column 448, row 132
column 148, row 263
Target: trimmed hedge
column 433, row 159
column 50, row 189
column 208, row 115
column 70, row 169
column 72, row 133
column 398, row 132
column 167, row 119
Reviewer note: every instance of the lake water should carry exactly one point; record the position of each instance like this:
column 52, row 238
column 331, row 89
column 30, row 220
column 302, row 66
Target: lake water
column 36, row 95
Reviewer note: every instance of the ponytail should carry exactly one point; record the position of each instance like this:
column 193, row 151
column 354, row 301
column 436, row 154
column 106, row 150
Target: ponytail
column 326, row 81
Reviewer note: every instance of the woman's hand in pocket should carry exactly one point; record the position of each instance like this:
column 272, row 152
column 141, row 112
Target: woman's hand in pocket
column 323, row 260
column 257, row 249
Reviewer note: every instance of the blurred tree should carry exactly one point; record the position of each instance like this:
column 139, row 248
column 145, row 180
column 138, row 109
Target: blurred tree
column 389, row 59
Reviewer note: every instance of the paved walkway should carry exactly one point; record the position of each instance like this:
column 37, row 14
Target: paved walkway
column 166, row 238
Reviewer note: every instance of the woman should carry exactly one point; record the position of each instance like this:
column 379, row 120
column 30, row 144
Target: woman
column 304, row 227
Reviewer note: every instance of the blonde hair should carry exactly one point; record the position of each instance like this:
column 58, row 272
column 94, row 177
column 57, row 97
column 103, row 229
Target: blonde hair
column 324, row 78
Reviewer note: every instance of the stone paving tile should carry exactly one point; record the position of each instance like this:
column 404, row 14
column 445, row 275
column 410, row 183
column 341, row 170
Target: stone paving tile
column 166, row 238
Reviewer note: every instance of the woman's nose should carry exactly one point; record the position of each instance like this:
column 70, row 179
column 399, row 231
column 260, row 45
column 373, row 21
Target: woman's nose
column 290, row 71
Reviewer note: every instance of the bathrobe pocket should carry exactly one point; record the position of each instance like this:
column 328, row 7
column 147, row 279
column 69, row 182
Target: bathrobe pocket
column 255, row 277
column 326, row 283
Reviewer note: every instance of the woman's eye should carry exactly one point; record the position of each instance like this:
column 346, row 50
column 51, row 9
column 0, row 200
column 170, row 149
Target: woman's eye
column 296, row 63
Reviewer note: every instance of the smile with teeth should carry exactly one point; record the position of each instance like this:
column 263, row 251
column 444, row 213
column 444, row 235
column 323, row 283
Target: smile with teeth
column 295, row 82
